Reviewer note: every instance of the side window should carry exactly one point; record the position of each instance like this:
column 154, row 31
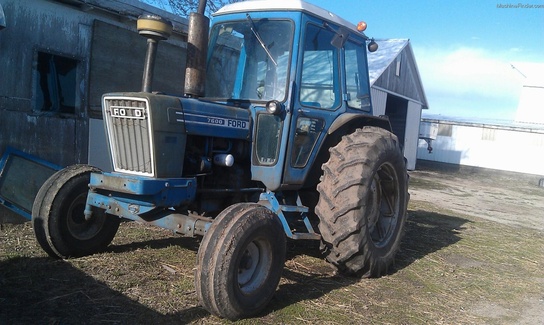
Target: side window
column 319, row 85
column 356, row 76
column 56, row 88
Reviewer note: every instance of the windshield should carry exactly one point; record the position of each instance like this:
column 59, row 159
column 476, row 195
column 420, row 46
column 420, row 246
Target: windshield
column 249, row 60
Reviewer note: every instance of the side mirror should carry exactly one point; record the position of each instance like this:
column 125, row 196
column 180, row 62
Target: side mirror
column 372, row 46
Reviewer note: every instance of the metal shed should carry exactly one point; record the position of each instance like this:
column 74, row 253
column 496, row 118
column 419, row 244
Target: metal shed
column 397, row 91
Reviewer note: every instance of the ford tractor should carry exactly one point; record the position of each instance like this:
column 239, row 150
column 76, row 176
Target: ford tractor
column 274, row 139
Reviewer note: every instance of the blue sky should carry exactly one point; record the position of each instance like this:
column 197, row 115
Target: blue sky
column 464, row 49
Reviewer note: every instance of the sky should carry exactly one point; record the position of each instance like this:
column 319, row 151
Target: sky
column 473, row 56
column 464, row 49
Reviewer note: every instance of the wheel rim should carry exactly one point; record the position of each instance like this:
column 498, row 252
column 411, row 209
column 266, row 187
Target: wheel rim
column 254, row 265
column 78, row 226
column 385, row 204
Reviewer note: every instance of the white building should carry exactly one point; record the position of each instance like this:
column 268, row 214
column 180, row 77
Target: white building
column 531, row 101
column 516, row 146
column 512, row 147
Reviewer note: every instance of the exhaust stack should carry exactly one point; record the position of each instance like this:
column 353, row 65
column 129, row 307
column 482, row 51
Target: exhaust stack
column 155, row 29
column 197, row 49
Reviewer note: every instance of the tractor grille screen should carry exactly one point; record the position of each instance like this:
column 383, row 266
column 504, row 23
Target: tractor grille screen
column 129, row 134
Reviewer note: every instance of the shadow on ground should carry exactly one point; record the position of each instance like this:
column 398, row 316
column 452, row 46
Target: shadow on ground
column 48, row 291
column 427, row 232
column 42, row 290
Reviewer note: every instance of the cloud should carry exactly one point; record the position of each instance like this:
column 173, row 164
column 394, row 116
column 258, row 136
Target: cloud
column 465, row 76
column 469, row 71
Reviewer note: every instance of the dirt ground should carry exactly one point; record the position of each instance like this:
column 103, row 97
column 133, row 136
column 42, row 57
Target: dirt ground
column 473, row 253
column 513, row 199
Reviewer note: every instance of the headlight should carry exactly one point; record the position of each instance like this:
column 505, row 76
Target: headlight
column 274, row 107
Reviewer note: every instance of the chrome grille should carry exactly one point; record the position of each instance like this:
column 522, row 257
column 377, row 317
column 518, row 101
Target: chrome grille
column 129, row 132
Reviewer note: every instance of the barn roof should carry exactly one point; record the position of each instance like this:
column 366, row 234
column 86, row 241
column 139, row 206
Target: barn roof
column 382, row 68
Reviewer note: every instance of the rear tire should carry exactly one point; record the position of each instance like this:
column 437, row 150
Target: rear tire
column 58, row 220
column 363, row 197
column 240, row 261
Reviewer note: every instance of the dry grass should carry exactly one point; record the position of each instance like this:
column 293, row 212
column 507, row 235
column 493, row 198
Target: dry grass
column 452, row 269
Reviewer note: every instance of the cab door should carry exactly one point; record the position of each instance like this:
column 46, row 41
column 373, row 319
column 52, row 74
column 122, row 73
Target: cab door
column 318, row 100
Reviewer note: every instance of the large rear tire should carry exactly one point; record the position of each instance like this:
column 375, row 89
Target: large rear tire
column 363, row 197
column 240, row 261
column 58, row 219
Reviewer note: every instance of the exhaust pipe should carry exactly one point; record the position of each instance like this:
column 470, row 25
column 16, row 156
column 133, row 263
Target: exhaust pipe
column 197, row 49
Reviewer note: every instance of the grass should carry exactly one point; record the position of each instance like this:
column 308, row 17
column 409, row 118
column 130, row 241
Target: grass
column 452, row 269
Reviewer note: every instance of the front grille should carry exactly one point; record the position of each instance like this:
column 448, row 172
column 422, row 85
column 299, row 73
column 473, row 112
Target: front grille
column 129, row 133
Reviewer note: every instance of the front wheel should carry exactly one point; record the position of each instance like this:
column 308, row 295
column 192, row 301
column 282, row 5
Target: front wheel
column 240, row 261
column 58, row 217
column 363, row 196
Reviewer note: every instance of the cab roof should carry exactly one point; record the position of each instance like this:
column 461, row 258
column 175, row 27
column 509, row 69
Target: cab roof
column 285, row 5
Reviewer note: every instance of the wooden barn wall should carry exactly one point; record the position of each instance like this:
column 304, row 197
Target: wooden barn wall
column 379, row 99
column 49, row 28
column 125, row 72
column 109, row 55
column 406, row 84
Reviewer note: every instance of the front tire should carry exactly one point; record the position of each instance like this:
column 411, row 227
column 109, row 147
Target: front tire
column 363, row 196
column 240, row 261
column 58, row 220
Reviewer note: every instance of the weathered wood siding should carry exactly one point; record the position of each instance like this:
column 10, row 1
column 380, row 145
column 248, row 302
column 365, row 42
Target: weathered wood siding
column 109, row 55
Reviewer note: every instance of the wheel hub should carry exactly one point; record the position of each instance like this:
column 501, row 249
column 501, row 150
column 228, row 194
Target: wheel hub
column 248, row 264
column 80, row 227
column 385, row 198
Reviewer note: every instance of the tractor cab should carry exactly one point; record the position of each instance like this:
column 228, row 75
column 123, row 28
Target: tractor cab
column 298, row 68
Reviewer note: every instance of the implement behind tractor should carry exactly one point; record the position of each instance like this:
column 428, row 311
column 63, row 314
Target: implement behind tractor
column 273, row 139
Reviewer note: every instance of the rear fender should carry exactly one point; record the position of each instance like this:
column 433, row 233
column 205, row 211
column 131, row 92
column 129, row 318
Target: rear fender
column 344, row 124
column 351, row 121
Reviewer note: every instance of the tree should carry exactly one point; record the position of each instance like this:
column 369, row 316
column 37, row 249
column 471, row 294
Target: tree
column 185, row 7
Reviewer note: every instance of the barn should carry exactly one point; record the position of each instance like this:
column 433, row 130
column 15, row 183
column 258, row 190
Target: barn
column 397, row 91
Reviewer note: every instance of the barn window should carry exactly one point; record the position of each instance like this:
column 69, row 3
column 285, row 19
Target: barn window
column 397, row 68
column 56, row 84
column 445, row 130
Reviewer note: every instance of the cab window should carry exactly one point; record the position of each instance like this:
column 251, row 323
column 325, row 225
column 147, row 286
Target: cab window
column 319, row 86
column 356, row 76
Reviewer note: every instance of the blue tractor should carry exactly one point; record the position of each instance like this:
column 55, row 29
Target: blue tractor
column 273, row 139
